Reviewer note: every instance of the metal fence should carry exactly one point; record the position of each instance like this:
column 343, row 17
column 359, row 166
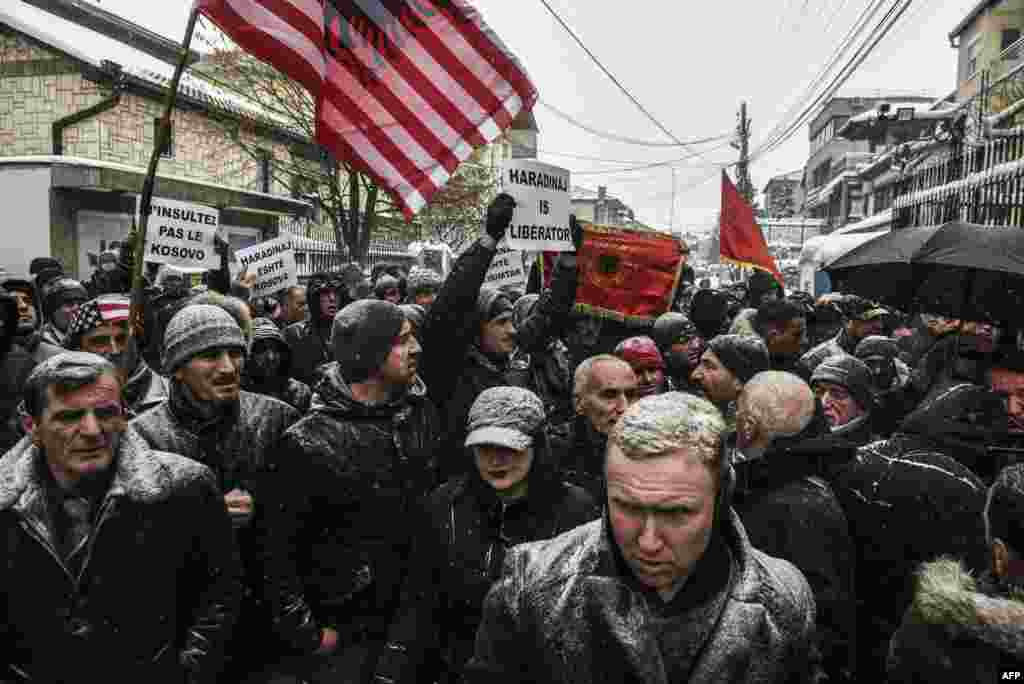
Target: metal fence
column 315, row 250
column 979, row 183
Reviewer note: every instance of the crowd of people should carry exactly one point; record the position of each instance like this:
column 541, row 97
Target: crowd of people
column 402, row 478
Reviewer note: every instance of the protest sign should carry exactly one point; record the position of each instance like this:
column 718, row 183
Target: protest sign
column 627, row 275
column 507, row 268
column 182, row 234
column 273, row 262
column 541, row 218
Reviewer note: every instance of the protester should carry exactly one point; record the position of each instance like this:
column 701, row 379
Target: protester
column 416, row 315
column 824, row 323
column 792, row 513
column 863, row 319
column 15, row 367
column 347, row 477
column 386, row 288
column 268, row 368
column 210, row 419
column 905, row 505
column 422, row 285
column 762, row 288
column 642, row 354
column 709, row 312
column 28, row 335
column 603, row 388
column 513, row 495
column 309, row 340
column 119, row 562
column 728, row 362
column 1006, row 378
column 783, row 327
column 546, row 368
column 61, row 299
column 293, row 305
column 843, row 386
column 101, row 326
column 681, row 346
column 893, row 395
column 690, row 600
column 960, row 628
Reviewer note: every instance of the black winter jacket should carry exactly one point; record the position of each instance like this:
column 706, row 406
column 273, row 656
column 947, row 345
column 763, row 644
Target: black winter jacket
column 237, row 447
column 337, row 536
column 790, row 512
column 15, row 366
column 905, row 505
column 309, row 340
column 458, row 552
column 157, row 593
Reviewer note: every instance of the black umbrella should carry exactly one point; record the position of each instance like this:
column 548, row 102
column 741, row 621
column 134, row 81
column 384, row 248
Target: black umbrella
column 958, row 269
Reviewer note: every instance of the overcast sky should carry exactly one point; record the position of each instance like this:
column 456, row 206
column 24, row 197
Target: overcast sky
column 689, row 63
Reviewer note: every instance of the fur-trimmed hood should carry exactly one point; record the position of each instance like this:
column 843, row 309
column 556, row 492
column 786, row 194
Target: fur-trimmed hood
column 947, row 595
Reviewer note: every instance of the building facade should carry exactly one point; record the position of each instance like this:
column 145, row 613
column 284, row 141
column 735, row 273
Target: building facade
column 599, row 207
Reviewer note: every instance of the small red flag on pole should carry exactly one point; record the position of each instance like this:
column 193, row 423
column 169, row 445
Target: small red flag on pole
column 741, row 241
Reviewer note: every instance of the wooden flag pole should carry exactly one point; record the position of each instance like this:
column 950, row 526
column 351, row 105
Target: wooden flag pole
column 146, row 200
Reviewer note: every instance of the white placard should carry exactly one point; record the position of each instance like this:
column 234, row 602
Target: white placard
column 181, row 234
column 507, row 268
column 541, row 218
column 273, row 262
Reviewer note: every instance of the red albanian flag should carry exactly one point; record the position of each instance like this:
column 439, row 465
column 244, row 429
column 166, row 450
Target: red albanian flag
column 741, row 241
column 627, row 274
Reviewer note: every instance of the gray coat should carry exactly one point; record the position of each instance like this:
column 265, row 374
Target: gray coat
column 565, row 612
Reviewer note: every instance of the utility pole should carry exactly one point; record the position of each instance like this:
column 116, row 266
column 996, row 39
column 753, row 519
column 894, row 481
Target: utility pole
column 742, row 143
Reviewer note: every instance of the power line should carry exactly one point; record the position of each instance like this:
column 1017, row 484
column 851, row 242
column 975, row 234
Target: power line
column 614, row 80
column 629, row 141
column 629, row 162
column 652, row 165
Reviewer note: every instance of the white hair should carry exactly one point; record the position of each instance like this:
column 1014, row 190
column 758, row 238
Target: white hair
column 668, row 422
column 781, row 403
column 581, row 379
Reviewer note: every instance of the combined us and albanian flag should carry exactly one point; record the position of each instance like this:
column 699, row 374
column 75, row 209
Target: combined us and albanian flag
column 741, row 241
column 405, row 89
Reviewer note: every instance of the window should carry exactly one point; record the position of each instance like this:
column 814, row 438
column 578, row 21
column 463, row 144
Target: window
column 167, row 151
column 973, row 50
column 1009, row 37
column 264, row 168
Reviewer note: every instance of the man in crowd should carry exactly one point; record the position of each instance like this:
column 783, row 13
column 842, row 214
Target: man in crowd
column 348, row 475
column 61, row 299
column 144, row 532
column 790, row 512
column 386, row 288
column 681, row 346
column 28, row 336
column 309, row 339
column 960, row 628
column 294, row 305
column 210, row 419
column 422, row 286
column 642, row 354
column 728, row 362
column 603, row 388
column 893, row 394
column 863, row 319
column 692, row 600
column 268, row 369
column 15, row 367
column 782, row 325
column 843, row 386
column 101, row 327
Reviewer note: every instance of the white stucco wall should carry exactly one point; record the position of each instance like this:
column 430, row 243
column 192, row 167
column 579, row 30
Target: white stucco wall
column 25, row 216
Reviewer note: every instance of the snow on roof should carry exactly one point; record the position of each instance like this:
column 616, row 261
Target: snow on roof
column 90, row 47
column 821, row 195
column 871, row 223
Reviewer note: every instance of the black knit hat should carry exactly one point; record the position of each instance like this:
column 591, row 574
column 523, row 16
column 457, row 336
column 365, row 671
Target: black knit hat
column 1004, row 511
column 849, row 372
column 362, row 336
column 877, row 345
column 743, row 355
column 37, row 265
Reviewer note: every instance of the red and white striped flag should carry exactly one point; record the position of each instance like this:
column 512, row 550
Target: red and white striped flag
column 406, row 89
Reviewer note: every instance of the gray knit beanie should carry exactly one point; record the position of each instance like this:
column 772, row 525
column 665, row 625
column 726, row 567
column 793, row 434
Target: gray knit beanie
column 849, row 372
column 743, row 355
column 198, row 328
column 362, row 336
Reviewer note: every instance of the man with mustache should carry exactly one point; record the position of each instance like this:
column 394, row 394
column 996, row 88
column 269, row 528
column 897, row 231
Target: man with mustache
column 116, row 553
column 843, row 385
column 27, row 335
column 210, row 419
column 101, row 327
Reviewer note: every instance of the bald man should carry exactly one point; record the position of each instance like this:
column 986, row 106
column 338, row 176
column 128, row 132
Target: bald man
column 789, row 511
